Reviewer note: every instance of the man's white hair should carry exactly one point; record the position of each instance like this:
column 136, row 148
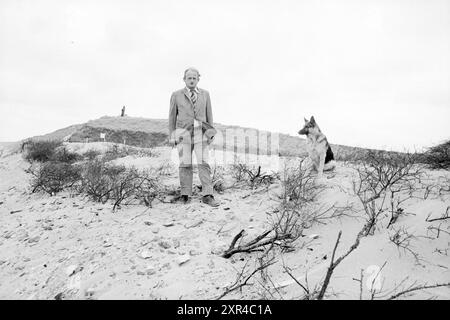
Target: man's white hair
column 193, row 70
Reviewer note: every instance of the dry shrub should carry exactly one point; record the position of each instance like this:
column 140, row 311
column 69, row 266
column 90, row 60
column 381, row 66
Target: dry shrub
column 238, row 171
column 218, row 180
column 147, row 152
column 133, row 184
column 253, row 176
column 149, row 188
column 298, row 184
column 103, row 181
column 40, row 151
column 96, row 179
column 298, row 190
column 53, row 177
column 48, row 150
column 63, row 155
column 165, row 169
column 385, row 181
column 91, row 155
column 438, row 157
column 297, row 208
column 117, row 151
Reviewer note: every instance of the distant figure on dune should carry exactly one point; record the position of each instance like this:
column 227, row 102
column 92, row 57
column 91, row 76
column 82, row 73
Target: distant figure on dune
column 191, row 129
column 123, row 112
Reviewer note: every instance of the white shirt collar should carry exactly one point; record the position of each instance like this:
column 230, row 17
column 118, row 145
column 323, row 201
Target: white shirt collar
column 195, row 90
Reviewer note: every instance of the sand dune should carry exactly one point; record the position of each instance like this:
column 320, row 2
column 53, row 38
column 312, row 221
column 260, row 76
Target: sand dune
column 68, row 247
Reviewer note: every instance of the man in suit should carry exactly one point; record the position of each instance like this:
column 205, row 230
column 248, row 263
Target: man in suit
column 191, row 129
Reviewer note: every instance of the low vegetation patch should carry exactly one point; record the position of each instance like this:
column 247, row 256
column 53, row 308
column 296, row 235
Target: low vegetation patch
column 102, row 182
column 55, row 169
column 48, row 150
column 438, row 157
column 52, row 177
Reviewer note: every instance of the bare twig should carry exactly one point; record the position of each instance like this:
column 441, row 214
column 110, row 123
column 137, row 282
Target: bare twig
column 444, row 216
column 239, row 283
column 360, row 280
column 254, row 245
column 334, row 264
column 402, row 239
column 417, row 288
column 288, row 271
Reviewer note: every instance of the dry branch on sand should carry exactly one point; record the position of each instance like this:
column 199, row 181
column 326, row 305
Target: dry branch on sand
column 402, row 239
column 256, row 244
column 244, row 277
column 318, row 293
column 309, row 294
column 444, row 216
column 399, row 290
column 437, row 230
column 413, row 288
column 252, row 176
column 335, row 263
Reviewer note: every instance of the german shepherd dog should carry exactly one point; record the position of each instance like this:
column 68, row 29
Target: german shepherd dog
column 319, row 149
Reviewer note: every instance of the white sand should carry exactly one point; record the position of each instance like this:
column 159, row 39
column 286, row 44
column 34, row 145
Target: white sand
column 70, row 245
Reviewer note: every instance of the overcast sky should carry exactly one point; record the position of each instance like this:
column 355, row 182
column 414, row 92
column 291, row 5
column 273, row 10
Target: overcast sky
column 373, row 73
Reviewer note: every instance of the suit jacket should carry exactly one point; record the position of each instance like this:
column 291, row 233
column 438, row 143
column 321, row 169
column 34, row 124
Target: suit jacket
column 182, row 113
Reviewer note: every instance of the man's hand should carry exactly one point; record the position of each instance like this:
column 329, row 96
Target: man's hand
column 172, row 143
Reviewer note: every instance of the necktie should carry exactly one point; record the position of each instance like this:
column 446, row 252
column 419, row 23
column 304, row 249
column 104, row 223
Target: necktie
column 194, row 100
column 193, row 97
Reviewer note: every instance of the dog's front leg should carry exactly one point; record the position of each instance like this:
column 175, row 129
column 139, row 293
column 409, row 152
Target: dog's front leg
column 321, row 165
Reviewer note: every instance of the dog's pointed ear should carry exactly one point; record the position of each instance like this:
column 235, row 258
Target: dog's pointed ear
column 305, row 119
column 312, row 119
